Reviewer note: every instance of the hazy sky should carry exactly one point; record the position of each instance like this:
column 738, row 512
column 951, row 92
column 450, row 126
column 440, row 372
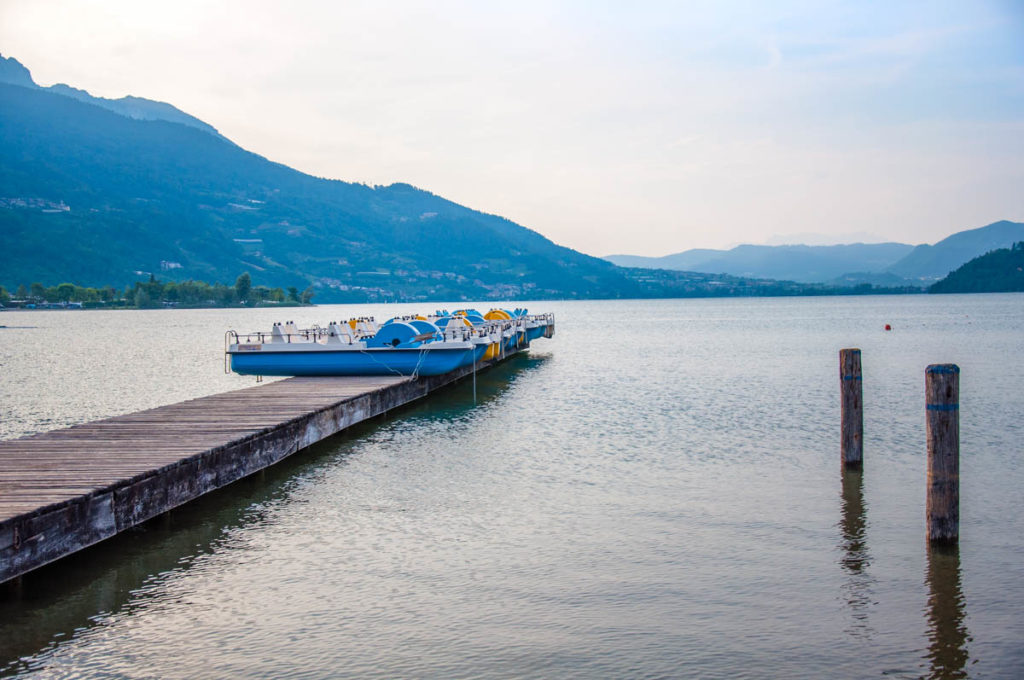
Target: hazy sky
column 610, row 127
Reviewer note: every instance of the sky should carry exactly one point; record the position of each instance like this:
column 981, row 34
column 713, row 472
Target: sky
column 645, row 128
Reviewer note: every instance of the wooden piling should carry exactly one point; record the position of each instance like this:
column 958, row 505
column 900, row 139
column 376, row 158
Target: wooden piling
column 942, row 399
column 851, row 395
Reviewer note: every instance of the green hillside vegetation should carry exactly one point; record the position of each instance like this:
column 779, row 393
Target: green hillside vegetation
column 92, row 196
column 1000, row 271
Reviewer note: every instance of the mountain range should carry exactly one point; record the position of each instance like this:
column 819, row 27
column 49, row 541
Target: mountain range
column 14, row 73
column 889, row 264
column 96, row 191
column 997, row 271
column 101, row 192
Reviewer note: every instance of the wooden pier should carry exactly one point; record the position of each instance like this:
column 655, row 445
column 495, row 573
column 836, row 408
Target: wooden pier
column 65, row 490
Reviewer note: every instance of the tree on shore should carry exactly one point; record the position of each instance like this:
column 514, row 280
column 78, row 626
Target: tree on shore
column 243, row 285
column 142, row 299
column 65, row 291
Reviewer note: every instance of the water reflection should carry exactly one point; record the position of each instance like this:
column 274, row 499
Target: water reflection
column 855, row 559
column 947, row 631
column 52, row 605
column 456, row 400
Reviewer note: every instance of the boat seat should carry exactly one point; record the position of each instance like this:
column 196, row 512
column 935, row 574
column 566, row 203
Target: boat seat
column 337, row 336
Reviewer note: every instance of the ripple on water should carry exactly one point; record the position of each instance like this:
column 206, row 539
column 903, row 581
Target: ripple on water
column 666, row 506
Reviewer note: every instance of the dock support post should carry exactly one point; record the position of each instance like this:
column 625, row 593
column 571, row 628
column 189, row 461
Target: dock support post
column 942, row 413
column 851, row 394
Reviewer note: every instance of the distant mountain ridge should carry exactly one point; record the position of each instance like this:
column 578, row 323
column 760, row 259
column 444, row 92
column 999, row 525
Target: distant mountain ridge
column 93, row 197
column 14, row 72
column 997, row 271
column 936, row 261
column 98, row 192
column 880, row 263
column 793, row 263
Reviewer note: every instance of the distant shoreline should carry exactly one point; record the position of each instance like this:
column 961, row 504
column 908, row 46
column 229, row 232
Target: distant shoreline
column 132, row 308
column 841, row 293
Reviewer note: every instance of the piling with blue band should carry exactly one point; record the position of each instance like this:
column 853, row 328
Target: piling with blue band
column 943, row 407
column 851, row 377
column 943, row 369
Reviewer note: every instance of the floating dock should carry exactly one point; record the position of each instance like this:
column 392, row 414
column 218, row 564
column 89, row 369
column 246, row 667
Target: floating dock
column 65, row 490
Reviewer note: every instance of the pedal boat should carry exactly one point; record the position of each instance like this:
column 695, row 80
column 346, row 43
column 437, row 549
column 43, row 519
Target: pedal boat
column 412, row 348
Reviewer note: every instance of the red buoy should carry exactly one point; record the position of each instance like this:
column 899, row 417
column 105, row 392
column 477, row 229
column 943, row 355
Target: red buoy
column 888, row 327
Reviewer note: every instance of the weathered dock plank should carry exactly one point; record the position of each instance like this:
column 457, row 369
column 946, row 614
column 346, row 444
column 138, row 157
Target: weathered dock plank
column 65, row 490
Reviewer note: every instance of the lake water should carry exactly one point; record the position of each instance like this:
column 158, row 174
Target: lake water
column 655, row 492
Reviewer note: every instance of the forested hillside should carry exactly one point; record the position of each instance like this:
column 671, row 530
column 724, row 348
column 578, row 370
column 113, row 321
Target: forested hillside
column 93, row 196
column 1000, row 271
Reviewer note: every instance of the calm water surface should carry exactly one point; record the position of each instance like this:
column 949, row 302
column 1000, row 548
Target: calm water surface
column 656, row 492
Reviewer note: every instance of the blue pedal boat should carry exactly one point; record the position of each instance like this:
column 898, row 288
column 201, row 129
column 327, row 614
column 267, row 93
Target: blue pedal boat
column 397, row 348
